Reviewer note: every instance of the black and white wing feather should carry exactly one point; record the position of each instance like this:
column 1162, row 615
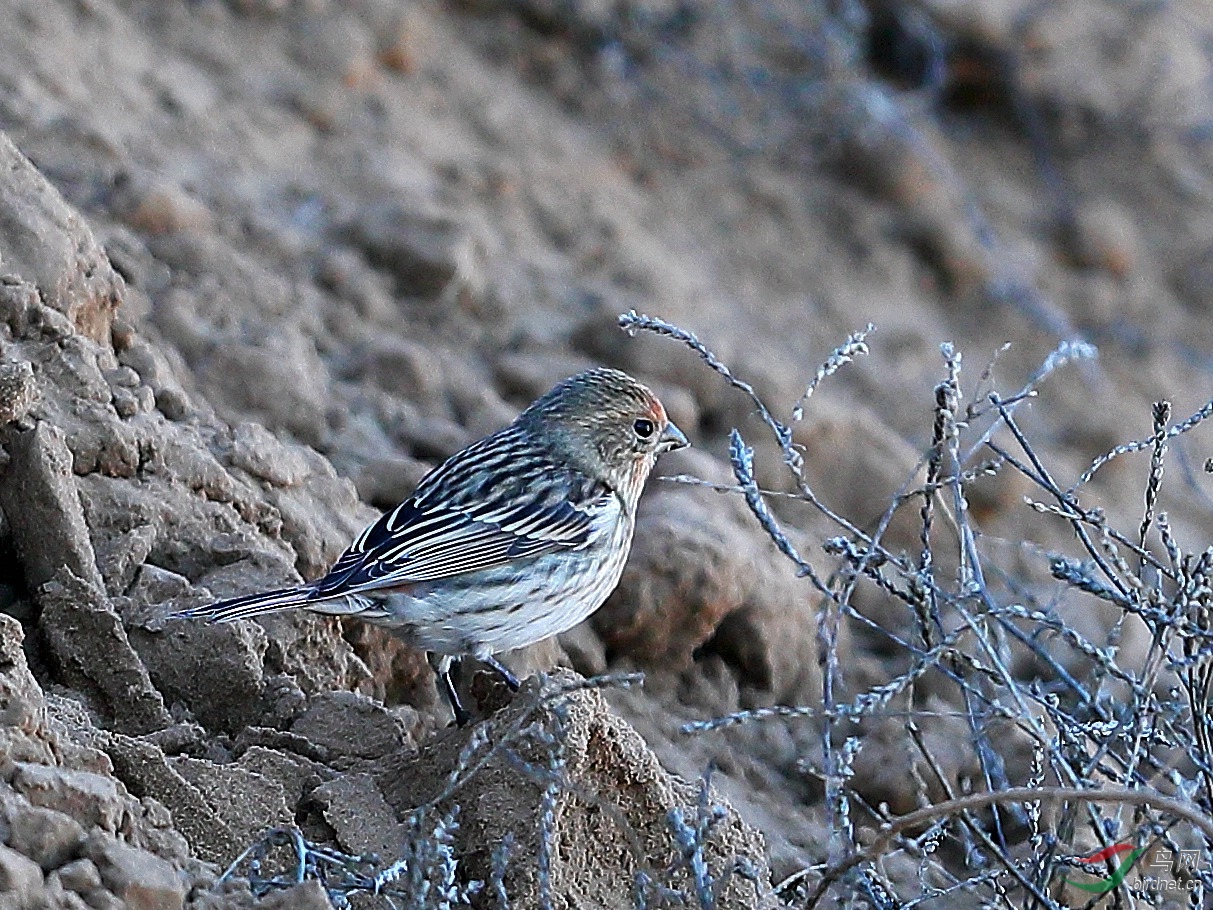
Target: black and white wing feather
column 487, row 506
column 496, row 502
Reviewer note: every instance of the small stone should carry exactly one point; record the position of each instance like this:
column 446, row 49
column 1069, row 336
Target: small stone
column 122, row 334
column 94, row 653
column 22, row 703
column 156, row 375
column 338, row 46
column 262, row 8
column 584, row 650
column 407, row 368
column 399, row 44
column 39, row 497
column 18, row 392
column 361, row 817
column 121, row 559
column 55, row 895
column 384, row 482
column 20, row 877
column 103, row 900
column 308, row 896
column 434, row 437
column 54, row 325
column 352, row 279
column 87, row 797
column 142, row 270
column 166, row 209
column 172, row 403
column 528, row 374
column 1104, row 236
column 142, row 880
column 352, row 725
column 280, row 381
column 245, row 801
column 256, row 450
column 18, row 302
column 125, row 387
column 126, row 403
column 80, row 875
column 156, row 813
column 47, row 837
column 145, row 398
column 428, row 253
column 121, row 377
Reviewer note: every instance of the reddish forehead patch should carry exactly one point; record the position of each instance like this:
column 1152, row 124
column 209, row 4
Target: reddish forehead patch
column 656, row 409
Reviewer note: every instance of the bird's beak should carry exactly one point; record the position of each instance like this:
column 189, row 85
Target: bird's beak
column 672, row 439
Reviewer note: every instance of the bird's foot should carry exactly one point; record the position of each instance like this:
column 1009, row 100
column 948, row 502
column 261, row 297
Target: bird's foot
column 442, row 668
column 462, row 716
column 510, row 679
column 442, row 664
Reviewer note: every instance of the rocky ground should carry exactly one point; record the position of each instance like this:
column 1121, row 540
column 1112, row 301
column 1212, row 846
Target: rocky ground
column 262, row 264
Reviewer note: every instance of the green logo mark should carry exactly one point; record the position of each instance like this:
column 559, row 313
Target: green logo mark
column 1107, row 884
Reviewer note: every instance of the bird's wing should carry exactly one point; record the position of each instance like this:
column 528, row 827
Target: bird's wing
column 452, row 526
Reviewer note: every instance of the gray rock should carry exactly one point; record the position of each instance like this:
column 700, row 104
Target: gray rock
column 121, row 557
column 91, row 646
column 18, row 391
column 144, row 766
column 60, row 898
column 294, row 773
column 361, row 817
column 408, row 368
column 159, row 375
column 256, row 450
column 428, row 253
column 528, row 374
column 245, row 802
column 91, row 799
column 20, row 879
column 39, row 498
column 215, row 670
column 352, row 726
column 142, row 880
column 280, row 381
column 80, row 875
column 23, row 716
column 47, row 242
column 384, row 482
column 308, row 896
column 47, row 837
column 104, row 900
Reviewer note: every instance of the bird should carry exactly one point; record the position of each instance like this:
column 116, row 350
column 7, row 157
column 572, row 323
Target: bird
column 513, row 539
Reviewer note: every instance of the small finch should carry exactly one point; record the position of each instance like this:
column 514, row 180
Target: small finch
column 518, row 537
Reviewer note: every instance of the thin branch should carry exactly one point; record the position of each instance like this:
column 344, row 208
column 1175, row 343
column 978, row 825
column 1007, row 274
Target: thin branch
column 885, row 834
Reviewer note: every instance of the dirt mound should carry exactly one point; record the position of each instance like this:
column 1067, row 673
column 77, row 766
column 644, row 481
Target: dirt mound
column 267, row 263
column 166, row 742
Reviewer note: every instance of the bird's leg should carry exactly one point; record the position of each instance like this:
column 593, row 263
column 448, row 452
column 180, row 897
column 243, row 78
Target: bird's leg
column 462, row 717
column 510, row 679
column 442, row 669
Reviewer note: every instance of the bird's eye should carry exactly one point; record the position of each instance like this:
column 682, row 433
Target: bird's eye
column 644, row 428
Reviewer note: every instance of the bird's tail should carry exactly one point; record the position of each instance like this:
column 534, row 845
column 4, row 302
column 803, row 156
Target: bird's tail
column 251, row 605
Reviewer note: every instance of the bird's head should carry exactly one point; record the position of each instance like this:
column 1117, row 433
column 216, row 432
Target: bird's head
column 608, row 425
